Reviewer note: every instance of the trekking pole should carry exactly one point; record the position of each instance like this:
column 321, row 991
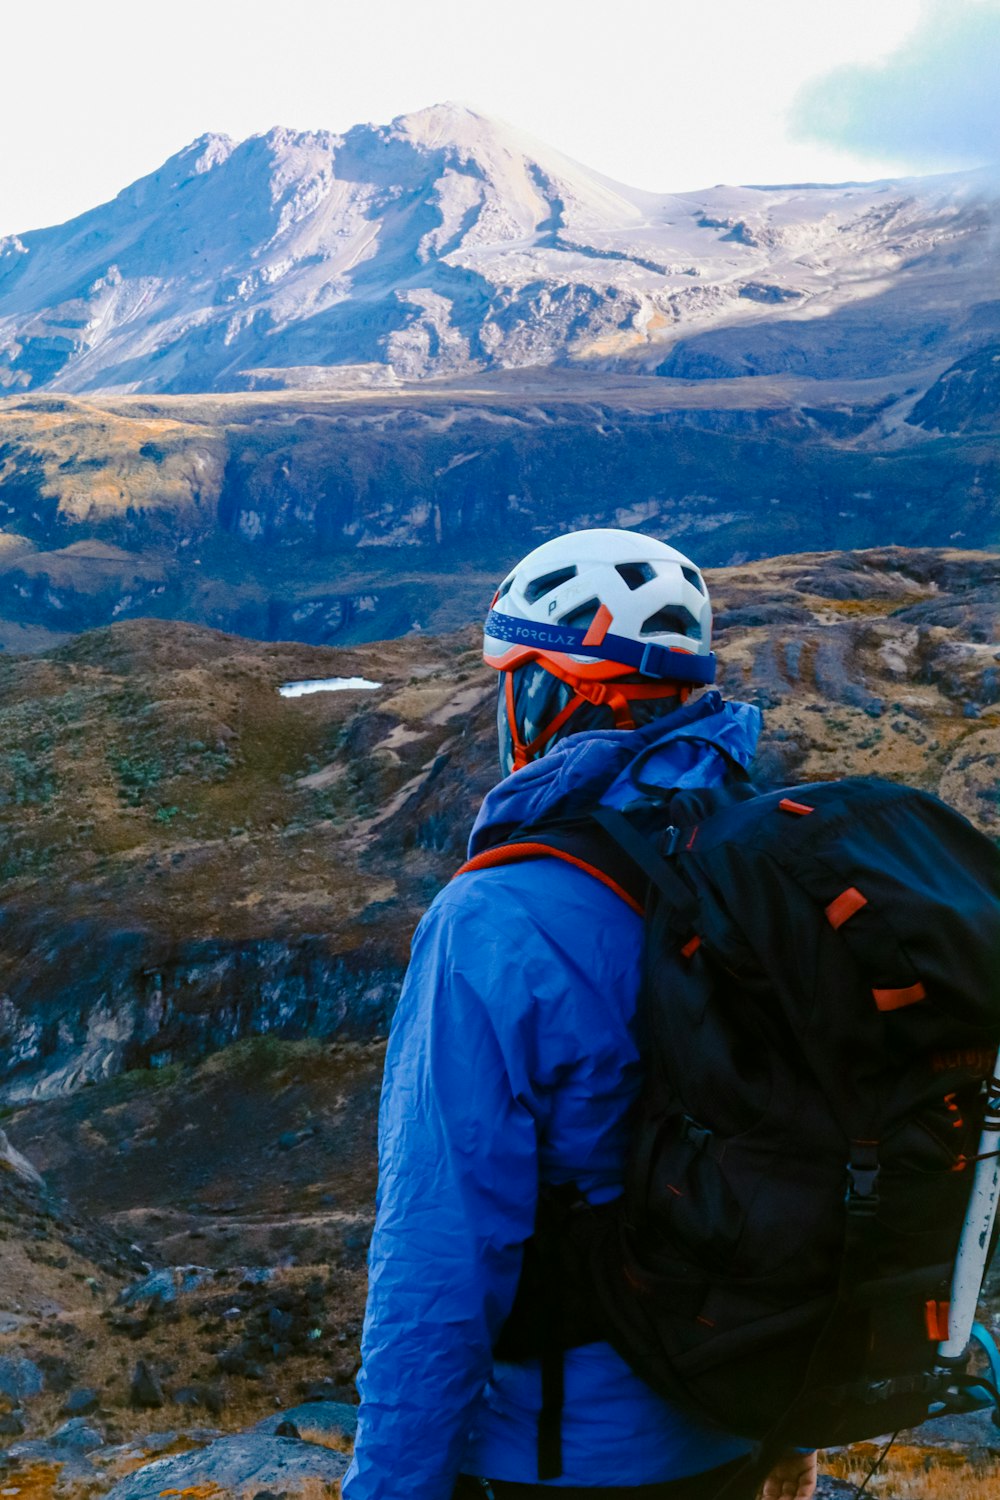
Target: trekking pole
column 977, row 1233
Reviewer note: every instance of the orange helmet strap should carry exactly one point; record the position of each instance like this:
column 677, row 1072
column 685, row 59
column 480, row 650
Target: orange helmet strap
column 617, row 696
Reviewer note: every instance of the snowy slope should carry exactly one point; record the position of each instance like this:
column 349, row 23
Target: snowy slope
column 447, row 242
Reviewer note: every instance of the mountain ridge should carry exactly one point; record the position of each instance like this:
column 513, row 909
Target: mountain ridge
column 448, row 242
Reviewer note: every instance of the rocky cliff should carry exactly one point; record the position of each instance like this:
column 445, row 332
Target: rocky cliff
column 337, row 518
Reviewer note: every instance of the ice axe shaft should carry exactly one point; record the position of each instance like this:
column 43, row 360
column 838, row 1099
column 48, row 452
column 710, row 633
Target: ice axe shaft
column 977, row 1232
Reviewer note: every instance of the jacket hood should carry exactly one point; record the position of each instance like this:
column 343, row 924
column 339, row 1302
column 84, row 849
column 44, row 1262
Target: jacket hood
column 693, row 746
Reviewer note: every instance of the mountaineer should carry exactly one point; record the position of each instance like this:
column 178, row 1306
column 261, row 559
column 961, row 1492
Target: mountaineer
column 513, row 1059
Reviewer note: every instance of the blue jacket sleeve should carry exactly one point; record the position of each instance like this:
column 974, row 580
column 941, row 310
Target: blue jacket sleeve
column 458, row 1180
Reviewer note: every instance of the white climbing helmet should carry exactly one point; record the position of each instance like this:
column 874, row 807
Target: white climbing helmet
column 600, row 604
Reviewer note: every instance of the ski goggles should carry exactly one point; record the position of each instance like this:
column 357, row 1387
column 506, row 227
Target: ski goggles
column 516, row 709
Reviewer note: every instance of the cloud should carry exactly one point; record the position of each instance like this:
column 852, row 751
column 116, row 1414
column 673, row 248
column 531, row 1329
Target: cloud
column 933, row 103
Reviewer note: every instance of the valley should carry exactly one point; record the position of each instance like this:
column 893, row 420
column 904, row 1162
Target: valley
column 336, row 518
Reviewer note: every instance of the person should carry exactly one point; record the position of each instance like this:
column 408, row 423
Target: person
column 513, row 1058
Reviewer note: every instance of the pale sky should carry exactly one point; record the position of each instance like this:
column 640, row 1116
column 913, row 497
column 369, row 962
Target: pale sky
column 661, row 94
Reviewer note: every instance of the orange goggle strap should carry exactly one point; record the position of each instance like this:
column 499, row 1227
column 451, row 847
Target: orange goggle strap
column 614, row 695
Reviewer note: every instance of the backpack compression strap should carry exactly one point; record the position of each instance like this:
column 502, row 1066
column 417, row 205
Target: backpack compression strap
column 520, row 850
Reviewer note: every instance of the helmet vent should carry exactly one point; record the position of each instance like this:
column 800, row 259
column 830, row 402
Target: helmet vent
column 539, row 587
column 505, row 586
column 674, row 620
column 694, row 579
column 582, row 617
column 635, row 574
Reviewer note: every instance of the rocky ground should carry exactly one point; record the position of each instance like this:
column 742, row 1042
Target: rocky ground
column 248, row 1182
column 206, row 899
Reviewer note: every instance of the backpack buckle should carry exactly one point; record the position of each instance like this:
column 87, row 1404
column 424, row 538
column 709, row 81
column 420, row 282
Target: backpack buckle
column 698, row 1135
column 862, row 1177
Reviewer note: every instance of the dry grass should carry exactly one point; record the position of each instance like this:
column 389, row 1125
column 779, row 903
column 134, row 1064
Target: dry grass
column 96, row 462
column 35, row 1482
column 859, row 608
column 917, row 1473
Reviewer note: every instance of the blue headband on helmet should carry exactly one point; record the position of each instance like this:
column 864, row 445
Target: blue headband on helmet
column 651, row 660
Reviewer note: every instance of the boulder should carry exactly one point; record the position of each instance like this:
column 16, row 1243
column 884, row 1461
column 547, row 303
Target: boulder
column 145, row 1391
column 20, row 1377
column 79, row 1434
column 56, row 1372
column 164, row 1285
column 240, row 1467
column 158, row 1286
column 80, row 1402
column 330, row 1424
column 342, row 1389
column 202, row 1393
column 972, row 1431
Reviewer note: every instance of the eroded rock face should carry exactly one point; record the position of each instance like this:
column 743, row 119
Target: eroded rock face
column 132, row 1010
column 20, row 1378
column 966, row 398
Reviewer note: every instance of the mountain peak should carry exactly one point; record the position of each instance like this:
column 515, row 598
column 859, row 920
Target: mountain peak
column 202, row 154
column 479, row 135
column 444, row 241
column 210, row 149
column 449, row 122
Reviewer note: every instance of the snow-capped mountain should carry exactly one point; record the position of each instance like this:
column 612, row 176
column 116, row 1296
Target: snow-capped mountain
column 447, row 242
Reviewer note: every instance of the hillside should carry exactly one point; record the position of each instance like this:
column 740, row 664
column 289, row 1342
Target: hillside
column 207, row 897
column 210, row 860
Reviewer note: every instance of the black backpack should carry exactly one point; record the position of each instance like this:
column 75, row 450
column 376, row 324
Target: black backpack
column 821, row 1012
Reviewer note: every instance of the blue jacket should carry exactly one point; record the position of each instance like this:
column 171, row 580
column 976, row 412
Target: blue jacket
column 512, row 1056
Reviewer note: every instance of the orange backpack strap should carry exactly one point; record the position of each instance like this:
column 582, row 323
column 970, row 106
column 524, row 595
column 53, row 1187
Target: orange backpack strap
column 510, row 854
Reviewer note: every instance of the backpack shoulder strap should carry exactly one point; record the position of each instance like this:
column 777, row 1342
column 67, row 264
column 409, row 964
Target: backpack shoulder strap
column 645, row 855
column 553, row 846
